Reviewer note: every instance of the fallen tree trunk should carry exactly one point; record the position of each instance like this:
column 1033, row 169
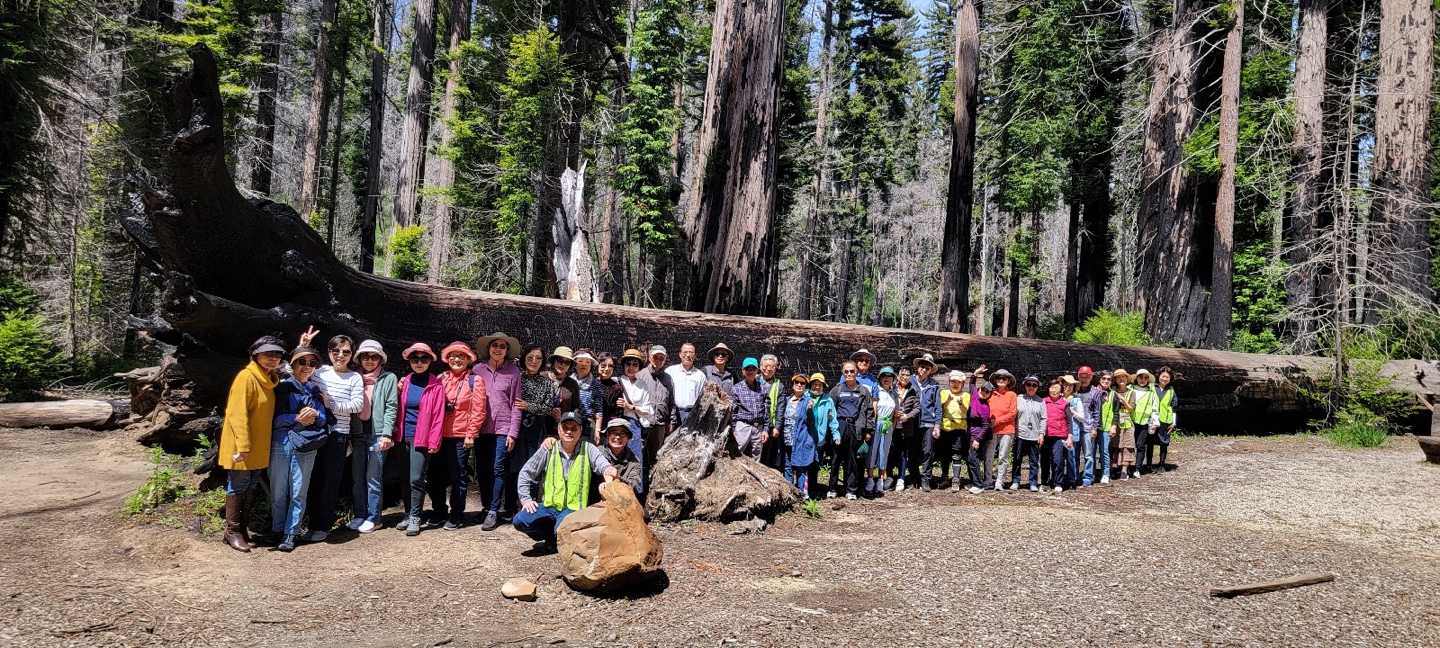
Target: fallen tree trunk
column 234, row 269
column 93, row 414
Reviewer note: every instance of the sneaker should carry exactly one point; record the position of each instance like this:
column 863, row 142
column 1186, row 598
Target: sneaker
column 356, row 523
column 1059, row 489
column 999, row 486
column 925, row 485
column 850, row 496
column 975, row 490
column 492, row 520
column 413, row 527
column 954, row 487
column 403, row 524
column 287, row 544
column 367, row 526
column 451, row 526
column 889, row 483
column 1160, row 470
column 870, row 485
column 830, row 494
column 1135, row 475
column 1104, row 479
column 1124, row 475
column 1014, row 486
column 434, row 522
column 317, row 536
column 899, row 485
column 1034, row 488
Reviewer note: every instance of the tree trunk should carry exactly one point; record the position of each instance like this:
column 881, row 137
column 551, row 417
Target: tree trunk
column 416, row 128
column 955, row 248
column 1308, row 213
column 822, row 172
column 1175, row 242
column 443, row 218
column 1399, row 268
column 319, row 111
column 734, row 187
column 272, row 30
column 338, row 138
column 375, row 141
column 57, row 415
column 1218, row 331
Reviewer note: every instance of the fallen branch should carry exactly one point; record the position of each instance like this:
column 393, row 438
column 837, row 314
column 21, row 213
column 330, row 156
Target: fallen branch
column 85, row 496
column 1271, row 586
column 441, row 581
column 182, row 603
column 276, row 621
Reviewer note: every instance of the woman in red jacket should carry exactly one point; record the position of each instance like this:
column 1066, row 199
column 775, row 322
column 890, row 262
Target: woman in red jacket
column 1003, row 410
column 465, row 403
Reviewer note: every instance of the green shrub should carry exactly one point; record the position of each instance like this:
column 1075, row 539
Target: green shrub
column 1357, row 431
column 169, row 481
column 28, row 360
column 1054, row 328
column 811, row 508
column 1361, row 407
column 407, row 253
column 1105, row 327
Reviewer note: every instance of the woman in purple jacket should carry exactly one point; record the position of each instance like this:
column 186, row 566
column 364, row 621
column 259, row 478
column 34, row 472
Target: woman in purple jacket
column 978, row 420
column 502, row 424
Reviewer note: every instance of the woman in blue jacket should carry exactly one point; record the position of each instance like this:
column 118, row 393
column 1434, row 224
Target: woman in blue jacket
column 303, row 423
column 815, row 428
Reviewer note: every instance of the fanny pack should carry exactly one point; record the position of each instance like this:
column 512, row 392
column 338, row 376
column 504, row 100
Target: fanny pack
column 307, row 440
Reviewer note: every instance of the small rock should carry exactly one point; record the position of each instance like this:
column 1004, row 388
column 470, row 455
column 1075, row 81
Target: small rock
column 520, row 589
column 795, row 574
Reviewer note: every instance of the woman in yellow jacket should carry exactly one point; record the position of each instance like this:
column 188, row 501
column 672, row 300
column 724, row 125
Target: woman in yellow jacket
column 245, row 437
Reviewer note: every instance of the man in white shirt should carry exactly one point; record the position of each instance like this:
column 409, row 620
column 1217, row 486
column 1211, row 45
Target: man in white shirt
column 688, row 380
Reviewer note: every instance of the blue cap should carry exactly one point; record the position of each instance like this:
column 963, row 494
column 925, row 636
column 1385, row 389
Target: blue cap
column 750, row 362
column 887, row 371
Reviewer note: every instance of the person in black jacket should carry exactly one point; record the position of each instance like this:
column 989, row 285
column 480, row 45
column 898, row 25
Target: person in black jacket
column 906, row 453
column 854, row 407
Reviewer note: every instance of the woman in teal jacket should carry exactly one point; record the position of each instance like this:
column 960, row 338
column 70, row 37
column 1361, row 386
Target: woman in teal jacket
column 819, row 429
column 372, row 439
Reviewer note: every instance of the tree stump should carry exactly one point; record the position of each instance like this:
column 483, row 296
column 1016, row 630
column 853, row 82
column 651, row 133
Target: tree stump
column 1431, row 447
column 701, row 474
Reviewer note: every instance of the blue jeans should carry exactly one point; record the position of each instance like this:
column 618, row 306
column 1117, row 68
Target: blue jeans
column 367, row 467
column 240, row 482
column 289, row 483
column 1027, row 449
column 541, row 524
column 1102, row 450
column 1087, row 458
column 490, row 456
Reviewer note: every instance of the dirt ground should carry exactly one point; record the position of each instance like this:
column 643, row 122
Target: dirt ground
column 1125, row 565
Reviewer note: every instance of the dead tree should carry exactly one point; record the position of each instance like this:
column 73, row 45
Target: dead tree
column 955, row 248
column 416, row 127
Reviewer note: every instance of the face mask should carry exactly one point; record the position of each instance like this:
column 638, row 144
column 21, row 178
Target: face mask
column 815, row 391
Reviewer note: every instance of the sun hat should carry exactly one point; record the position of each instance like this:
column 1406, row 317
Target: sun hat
column 1144, row 372
column 418, row 347
column 268, row 348
column 750, row 363
column 371, row 346
column 863, row 352
column 303, row 351
column 563, row 352
column 957, row 376
column 619, row 423
column 820, row 377
column 1121, row 373
column 584, row 355
column 886, row 371
column 721, row 349
column 654, row 349
column 1029, row 379
column 1002, row 373
column 632, row 354
column 926, row 359
column 1068, row 379
column 800, row 378
column 510, row 341
column 460, row 347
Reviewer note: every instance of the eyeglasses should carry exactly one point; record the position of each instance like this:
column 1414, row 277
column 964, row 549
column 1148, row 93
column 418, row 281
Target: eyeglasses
column 306, row 363
column 420, row 358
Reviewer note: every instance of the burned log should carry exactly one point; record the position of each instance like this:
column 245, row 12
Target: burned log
column 233, row 269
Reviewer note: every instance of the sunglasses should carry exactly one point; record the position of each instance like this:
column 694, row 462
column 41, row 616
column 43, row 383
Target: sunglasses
column 420, row 358
column 849, row 371
column 272, row 354
column 341, row 352
column 366, row 357
column 306, row 363
column 457, row 356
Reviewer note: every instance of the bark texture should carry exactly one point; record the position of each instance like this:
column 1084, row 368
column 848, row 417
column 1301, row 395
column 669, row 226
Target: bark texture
column 1400, row 248
column 375, row 142
column 955, row 249
column 443, row 217
column 733, row 209
column 318, row 112
column 272, row 28
column 1218, row 330
column 1309, row 214
column 416, row 127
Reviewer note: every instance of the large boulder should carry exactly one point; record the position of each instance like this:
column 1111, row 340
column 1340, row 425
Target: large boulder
column 608, row 545
column 700, row 473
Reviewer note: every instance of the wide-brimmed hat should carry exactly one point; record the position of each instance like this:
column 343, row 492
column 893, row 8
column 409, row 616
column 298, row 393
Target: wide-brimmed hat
column 371, row 346
column 1143, row 372
column 863, row 352
column 1002, row 373
column 619, row 423
column 510, row 341
column 460, row 347
column 1068, row 379
column 720, row 348
column 418, row 347
column 563, row 352
column 632, row 354
column 800, row 378
column 1121, row 373
column 303, row 351
column 924, row 359
column 820, row 377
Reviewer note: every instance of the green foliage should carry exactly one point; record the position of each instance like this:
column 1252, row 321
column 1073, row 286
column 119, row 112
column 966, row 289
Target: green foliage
column 535, row 80
column 169, row 481
column 811, row 508
column 1361, row 404
column 1054, row 328
column 651, row 117
column 1106, row 327
column 29, row 361
column 407, row 254
column 1356, row 431
column 1259, row 298
column 876, row 63
column 227, row 27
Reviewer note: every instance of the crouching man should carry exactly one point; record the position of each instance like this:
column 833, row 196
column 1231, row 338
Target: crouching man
column 562, row 473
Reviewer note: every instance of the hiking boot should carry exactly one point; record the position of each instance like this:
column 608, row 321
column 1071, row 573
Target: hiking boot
column 232, row 525
column 925, row 484
column 1160, row 470
column 412, row 526
column 247, row 501
column 492, row 520
column 287, row 544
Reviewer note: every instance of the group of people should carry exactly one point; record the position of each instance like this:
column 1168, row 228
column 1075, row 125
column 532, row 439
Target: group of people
column 541, row 433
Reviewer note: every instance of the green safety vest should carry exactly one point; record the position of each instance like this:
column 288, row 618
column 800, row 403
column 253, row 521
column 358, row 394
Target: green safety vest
column 567, row 492
column 1167, row 407
column 1111, row 408
column 774, row 402
column 1144, row 404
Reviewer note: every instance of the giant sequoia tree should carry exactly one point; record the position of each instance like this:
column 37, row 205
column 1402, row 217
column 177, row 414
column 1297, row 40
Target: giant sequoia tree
column 733, row 211
column 955, row 254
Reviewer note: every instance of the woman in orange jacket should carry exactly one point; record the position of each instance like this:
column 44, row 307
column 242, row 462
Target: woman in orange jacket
column 1003, row 410
column 465, row 412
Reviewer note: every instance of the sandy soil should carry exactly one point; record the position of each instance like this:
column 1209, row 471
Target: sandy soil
column 1129, row 564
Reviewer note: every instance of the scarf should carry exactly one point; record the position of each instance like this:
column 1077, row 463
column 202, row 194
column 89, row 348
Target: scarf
column 369, row 379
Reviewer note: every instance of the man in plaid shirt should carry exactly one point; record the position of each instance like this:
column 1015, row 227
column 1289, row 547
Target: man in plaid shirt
column 752, row 410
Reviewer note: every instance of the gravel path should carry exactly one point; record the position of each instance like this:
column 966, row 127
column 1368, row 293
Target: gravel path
column 1125, row 565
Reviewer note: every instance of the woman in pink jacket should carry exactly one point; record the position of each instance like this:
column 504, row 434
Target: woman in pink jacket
column 422, row 416
column 1057, row 437
column 464, row 414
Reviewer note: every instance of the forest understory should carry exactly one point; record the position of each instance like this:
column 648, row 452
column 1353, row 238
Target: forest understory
column 1125, row 564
